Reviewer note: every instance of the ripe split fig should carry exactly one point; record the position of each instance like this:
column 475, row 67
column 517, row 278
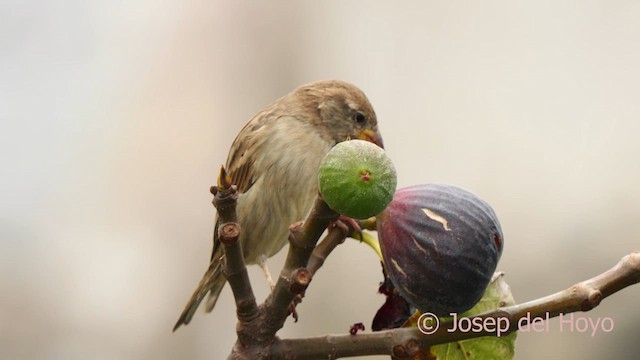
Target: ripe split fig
column 441, row 245
column 357, row 179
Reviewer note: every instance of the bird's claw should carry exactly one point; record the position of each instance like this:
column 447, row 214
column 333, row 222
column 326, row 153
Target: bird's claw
column 292, row 307
column 350, row 226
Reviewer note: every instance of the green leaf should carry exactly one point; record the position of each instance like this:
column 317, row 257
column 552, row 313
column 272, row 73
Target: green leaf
column 496, row 295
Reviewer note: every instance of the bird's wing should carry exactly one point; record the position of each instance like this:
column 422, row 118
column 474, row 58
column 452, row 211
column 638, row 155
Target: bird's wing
column 244, row 155
column 241, row 166
column 243, row 174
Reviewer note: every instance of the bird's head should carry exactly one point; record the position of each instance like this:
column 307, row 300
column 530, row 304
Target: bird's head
column 342, row 109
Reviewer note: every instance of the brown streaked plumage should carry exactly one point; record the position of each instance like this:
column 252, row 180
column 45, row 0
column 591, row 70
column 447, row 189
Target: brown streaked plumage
column 274, row 162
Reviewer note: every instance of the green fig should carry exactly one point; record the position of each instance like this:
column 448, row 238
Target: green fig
column 357, row 179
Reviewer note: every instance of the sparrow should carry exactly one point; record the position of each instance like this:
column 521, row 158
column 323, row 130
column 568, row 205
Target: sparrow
column 274, row 162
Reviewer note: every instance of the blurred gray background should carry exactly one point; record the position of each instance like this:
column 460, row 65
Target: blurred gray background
column 117, row 115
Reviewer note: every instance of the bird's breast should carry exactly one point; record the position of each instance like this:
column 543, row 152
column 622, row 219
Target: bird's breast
column 284, row 190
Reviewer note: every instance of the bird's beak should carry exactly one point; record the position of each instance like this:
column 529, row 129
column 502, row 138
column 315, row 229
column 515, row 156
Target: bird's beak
column 371, row 136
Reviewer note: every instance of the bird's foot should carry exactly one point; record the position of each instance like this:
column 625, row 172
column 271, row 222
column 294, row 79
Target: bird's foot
column 292, row 307
column 262, row 262
column 354, row 229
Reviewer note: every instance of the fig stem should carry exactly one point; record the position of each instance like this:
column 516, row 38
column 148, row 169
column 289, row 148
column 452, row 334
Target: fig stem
column 368, row 224
column 370, row 240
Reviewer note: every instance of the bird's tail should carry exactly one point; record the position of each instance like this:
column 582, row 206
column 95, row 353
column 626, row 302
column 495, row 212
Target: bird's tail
column 212, row 282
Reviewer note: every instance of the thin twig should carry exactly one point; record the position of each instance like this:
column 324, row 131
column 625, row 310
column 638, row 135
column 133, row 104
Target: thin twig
column 336, row 235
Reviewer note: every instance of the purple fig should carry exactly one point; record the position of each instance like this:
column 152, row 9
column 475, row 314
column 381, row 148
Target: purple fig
column 440, row 245
column 395, row 311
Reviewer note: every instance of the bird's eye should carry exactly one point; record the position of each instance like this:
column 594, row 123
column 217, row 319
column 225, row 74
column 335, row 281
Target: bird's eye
column 359, row 117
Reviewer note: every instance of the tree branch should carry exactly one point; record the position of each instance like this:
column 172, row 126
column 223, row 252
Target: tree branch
column 406, row 342
column 336, row 235
column 225, row 199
